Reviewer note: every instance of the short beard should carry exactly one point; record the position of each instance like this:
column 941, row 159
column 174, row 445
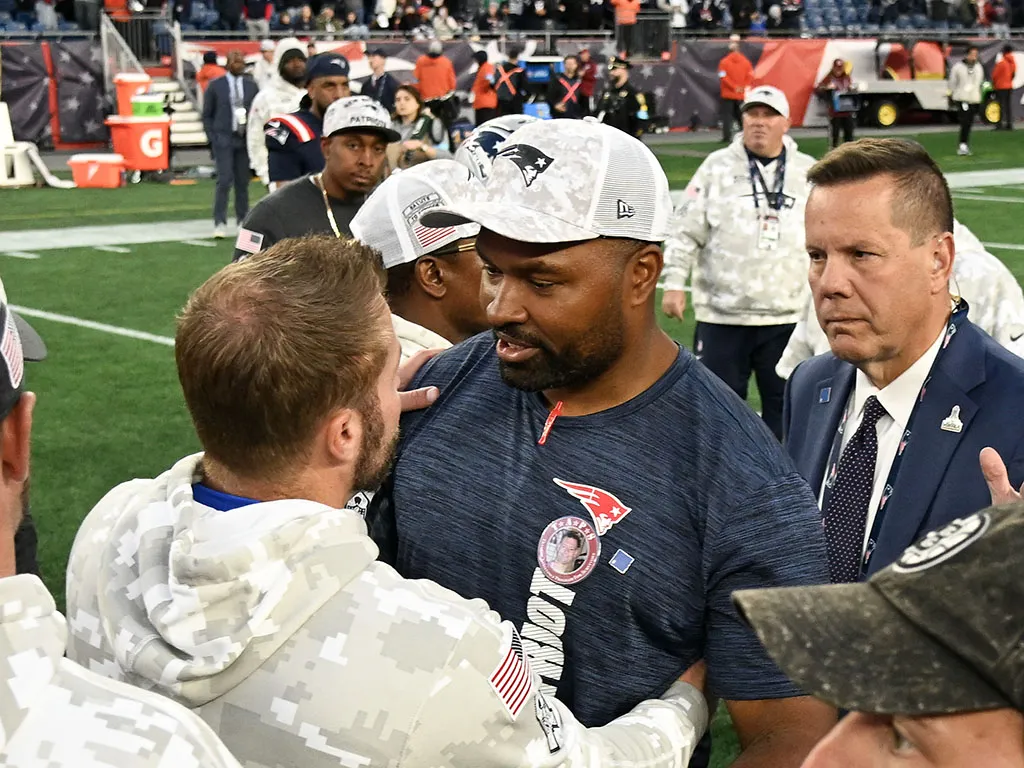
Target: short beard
column 576, row 366
column 377, row 452
column 296, row 80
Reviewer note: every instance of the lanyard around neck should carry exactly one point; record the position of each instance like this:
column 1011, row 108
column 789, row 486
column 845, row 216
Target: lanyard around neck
column 319, row 181
column 775, row 198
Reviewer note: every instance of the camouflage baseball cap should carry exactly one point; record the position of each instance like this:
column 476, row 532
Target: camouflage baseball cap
column 558, row 181
column 389, row 220
column 937, row 632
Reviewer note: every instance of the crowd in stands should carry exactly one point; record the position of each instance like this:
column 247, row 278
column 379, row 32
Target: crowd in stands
column 450, row 19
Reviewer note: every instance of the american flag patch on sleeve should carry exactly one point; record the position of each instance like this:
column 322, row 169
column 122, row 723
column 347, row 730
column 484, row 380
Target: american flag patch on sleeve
column 249, row 241
column 512, row 680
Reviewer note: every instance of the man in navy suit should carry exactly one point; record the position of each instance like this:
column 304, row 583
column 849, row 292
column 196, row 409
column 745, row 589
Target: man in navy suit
column 887, row 428
column 225, row 110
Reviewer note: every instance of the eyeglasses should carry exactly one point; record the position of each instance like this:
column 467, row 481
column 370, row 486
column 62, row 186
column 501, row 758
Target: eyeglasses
column 456, row 248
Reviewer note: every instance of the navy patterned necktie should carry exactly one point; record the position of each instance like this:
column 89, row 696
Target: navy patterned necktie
column 846, row 514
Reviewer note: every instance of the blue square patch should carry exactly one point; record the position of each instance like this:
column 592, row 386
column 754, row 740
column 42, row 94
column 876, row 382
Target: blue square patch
column 621, row 561
column 825, row 395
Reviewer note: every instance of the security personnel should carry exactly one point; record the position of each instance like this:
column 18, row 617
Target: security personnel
column 622, row 105
column 356, row 133
column 565, row 93
column 293, row 140
column 740, row 231
column 509, row 81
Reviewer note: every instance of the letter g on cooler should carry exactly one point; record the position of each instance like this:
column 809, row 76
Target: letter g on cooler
column 151, row 143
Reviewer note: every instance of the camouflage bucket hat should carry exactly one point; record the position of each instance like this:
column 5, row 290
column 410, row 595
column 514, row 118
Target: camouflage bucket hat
column 557, row 181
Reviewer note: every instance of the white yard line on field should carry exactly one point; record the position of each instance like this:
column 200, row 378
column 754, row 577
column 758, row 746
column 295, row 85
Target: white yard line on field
column 106, row 235
column 1005, row 246
column 988, row 198
column 21, row 254
column 78, row 322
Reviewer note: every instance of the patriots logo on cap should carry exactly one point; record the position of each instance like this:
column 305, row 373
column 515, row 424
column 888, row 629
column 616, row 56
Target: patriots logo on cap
column 530, row 160
column 605, row 508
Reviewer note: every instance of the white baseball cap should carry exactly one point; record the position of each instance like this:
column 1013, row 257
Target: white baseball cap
column 358, row 113
column 268, row 45
column 557, row 181
column 769, row 96
column 389, row 220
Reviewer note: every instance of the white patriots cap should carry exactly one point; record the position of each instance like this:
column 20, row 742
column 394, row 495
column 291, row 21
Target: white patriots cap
column 558, row 181
column 389, row 220
column 358, row 114
column 769, row 96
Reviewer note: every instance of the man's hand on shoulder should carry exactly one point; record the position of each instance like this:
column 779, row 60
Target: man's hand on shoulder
column 416, row 399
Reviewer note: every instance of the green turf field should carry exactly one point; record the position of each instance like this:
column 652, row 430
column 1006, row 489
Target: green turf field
column 109, row 405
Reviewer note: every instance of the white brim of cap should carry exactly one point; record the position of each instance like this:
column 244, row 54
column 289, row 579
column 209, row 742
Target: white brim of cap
column 511, row 221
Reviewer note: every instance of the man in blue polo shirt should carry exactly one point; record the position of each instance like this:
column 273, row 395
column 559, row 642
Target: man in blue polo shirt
column 582, row 472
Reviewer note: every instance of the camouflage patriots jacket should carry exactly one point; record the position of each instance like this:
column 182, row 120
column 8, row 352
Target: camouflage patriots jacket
column 275, row 621
column 716, row 239
column 53, row 713
column 991, row 290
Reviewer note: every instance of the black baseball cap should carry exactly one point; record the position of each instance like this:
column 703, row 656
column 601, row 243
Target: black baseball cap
column 618, row 62
column 939, row 631
column 18, row 342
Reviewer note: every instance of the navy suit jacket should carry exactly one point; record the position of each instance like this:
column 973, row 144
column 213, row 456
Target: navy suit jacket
column 217, row 109
column 940, row 479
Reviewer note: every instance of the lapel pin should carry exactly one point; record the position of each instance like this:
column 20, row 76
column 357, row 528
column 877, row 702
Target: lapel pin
column 621, row 561
column 825, row 395
column 952, row 422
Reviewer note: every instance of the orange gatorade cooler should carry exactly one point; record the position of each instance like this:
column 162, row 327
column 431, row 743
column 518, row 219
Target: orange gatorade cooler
column 143, row 141
column 130, row 84
column 98, row 171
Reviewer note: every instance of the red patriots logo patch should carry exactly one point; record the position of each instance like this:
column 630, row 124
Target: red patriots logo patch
column 605, row 508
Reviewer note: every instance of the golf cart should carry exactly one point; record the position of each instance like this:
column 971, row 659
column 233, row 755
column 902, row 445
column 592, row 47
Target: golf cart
column 911, row 77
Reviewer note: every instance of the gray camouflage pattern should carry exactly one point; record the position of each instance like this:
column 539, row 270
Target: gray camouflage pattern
column 556, row 181
column 715, row 237
column 276, row 622
column 54, row 713
column 991, row 290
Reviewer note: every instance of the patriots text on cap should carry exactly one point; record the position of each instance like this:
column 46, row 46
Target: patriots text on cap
column 359, row 114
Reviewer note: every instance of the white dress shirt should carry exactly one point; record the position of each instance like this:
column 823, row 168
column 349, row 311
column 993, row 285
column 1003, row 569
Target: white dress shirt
column 898, row 399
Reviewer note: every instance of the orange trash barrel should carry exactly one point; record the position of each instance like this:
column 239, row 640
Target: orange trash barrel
column 144, row 142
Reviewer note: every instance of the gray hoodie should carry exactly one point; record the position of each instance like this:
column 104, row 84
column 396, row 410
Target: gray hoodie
column 276, row 621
